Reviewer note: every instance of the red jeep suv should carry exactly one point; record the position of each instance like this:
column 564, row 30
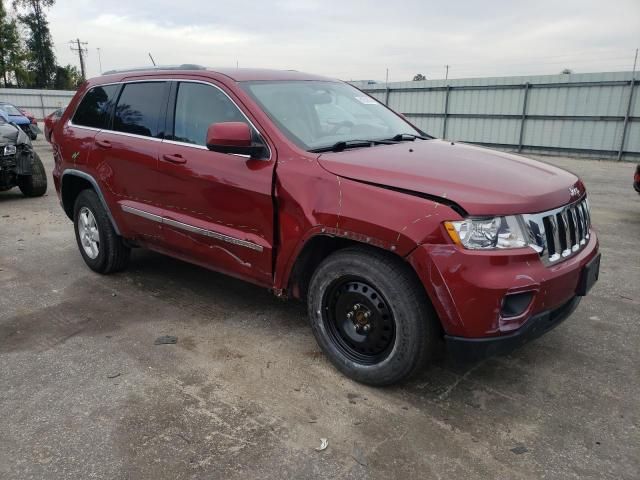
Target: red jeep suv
column 309, row 187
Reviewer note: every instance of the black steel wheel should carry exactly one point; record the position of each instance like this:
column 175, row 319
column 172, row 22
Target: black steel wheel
column 371, row 316
column 359, row 320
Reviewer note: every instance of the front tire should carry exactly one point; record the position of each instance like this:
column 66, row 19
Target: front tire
column 34, row 185
column 101, row 248
column 371, row 316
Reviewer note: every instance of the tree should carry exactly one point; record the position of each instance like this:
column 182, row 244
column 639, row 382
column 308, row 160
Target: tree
column 41, row 62
column 67, row 78
column 419, row 77
column 10, row 46
column 566, row 71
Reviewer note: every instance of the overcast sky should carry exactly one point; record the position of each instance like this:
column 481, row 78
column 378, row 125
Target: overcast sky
column 355, row 39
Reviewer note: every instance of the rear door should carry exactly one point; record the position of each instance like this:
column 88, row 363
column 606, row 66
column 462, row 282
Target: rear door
column 218, row 207
column 126, row 156
column 91, row 115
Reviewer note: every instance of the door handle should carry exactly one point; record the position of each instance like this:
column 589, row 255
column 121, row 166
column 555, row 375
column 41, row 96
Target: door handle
column 177, row 158
column 103, row 143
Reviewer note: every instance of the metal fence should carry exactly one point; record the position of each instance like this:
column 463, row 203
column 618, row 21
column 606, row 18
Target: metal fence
column 589, row 114
column 39, row 102
column 595, row 114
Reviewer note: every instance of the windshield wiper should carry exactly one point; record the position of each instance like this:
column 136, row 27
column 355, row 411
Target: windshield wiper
column 407, row 136
column 344, row 144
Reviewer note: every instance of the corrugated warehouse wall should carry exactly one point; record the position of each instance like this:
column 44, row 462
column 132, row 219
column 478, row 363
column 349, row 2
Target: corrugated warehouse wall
column 591, row 114
column 39, row 102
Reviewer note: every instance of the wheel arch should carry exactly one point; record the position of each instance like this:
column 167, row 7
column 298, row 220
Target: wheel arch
column 318, row 247
column 75, row 181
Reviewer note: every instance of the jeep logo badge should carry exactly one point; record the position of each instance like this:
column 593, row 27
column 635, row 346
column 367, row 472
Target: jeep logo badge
column 574, row 191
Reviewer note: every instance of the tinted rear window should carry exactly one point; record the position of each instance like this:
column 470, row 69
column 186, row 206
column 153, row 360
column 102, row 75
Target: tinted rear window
column 94, row 108
column 139, row 107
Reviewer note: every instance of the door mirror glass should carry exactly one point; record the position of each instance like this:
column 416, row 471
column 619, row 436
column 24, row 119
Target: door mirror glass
column 232, row 137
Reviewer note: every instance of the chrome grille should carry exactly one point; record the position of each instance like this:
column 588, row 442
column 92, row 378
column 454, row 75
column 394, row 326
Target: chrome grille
column 558, row 234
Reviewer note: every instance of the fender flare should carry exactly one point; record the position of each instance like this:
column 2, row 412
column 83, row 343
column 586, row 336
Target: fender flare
column 96, row 187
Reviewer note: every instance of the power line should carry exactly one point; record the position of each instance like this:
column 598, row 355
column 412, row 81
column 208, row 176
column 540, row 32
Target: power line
column 77, row 46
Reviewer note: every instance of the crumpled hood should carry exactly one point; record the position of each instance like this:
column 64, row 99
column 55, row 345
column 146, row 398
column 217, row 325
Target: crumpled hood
column 480, row 180
column 10, row 135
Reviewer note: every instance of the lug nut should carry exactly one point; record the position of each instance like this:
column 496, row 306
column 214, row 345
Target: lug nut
column 367, row 314
column 350, row 315
column 366, row 328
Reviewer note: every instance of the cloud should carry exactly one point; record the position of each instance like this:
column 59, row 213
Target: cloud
column 356, row 39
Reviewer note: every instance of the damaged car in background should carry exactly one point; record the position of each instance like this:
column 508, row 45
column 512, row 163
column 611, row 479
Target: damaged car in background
column 23, row 119
column 20, row 165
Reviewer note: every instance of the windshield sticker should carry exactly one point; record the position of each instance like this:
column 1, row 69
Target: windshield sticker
column 367, row 100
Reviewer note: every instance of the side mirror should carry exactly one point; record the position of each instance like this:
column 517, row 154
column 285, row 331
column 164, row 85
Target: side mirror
column 232, row 137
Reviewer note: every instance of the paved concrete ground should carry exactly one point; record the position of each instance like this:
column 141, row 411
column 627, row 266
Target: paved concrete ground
column 246, row 393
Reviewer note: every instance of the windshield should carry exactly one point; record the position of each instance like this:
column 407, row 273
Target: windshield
column 318, row 114
column 10, row 109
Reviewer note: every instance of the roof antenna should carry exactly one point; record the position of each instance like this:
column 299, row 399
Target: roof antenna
column 152, row 60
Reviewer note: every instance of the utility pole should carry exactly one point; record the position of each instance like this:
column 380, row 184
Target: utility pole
column 627, row 116
column 99, row 59
column 77, row 46
column 446, row 74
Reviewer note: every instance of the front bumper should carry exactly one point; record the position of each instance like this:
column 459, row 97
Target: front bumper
column 468, row 288
column 472, row 349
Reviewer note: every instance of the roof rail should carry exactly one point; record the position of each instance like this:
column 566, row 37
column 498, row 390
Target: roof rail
column 184, row 66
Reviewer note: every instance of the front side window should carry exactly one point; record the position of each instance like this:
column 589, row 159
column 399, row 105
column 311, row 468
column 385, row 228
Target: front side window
column 198, row 106
column 94, row 108
column 317, row 114
column 139, row 109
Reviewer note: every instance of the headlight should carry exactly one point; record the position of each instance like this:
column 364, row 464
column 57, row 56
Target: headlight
column 9, row 150
column 488, row 233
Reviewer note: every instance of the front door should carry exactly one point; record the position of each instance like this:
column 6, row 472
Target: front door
column 218, row 208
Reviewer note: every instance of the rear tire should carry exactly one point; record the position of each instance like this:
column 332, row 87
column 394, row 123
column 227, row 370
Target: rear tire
column 34, row 185
column 102, row 249
column 371, row 316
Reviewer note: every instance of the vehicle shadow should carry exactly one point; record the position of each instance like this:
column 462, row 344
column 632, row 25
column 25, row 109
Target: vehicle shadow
column 155, row 286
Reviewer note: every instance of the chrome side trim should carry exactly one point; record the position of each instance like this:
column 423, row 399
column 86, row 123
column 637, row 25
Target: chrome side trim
column 193, row 229
column 142, row 213
column 201, row 147
column 185, row 144
column 82, row 127
column 133, row 135
column 94, row 184
column 212, row 234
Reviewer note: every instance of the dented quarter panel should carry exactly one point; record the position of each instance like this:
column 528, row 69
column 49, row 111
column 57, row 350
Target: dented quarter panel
column 312, row 201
